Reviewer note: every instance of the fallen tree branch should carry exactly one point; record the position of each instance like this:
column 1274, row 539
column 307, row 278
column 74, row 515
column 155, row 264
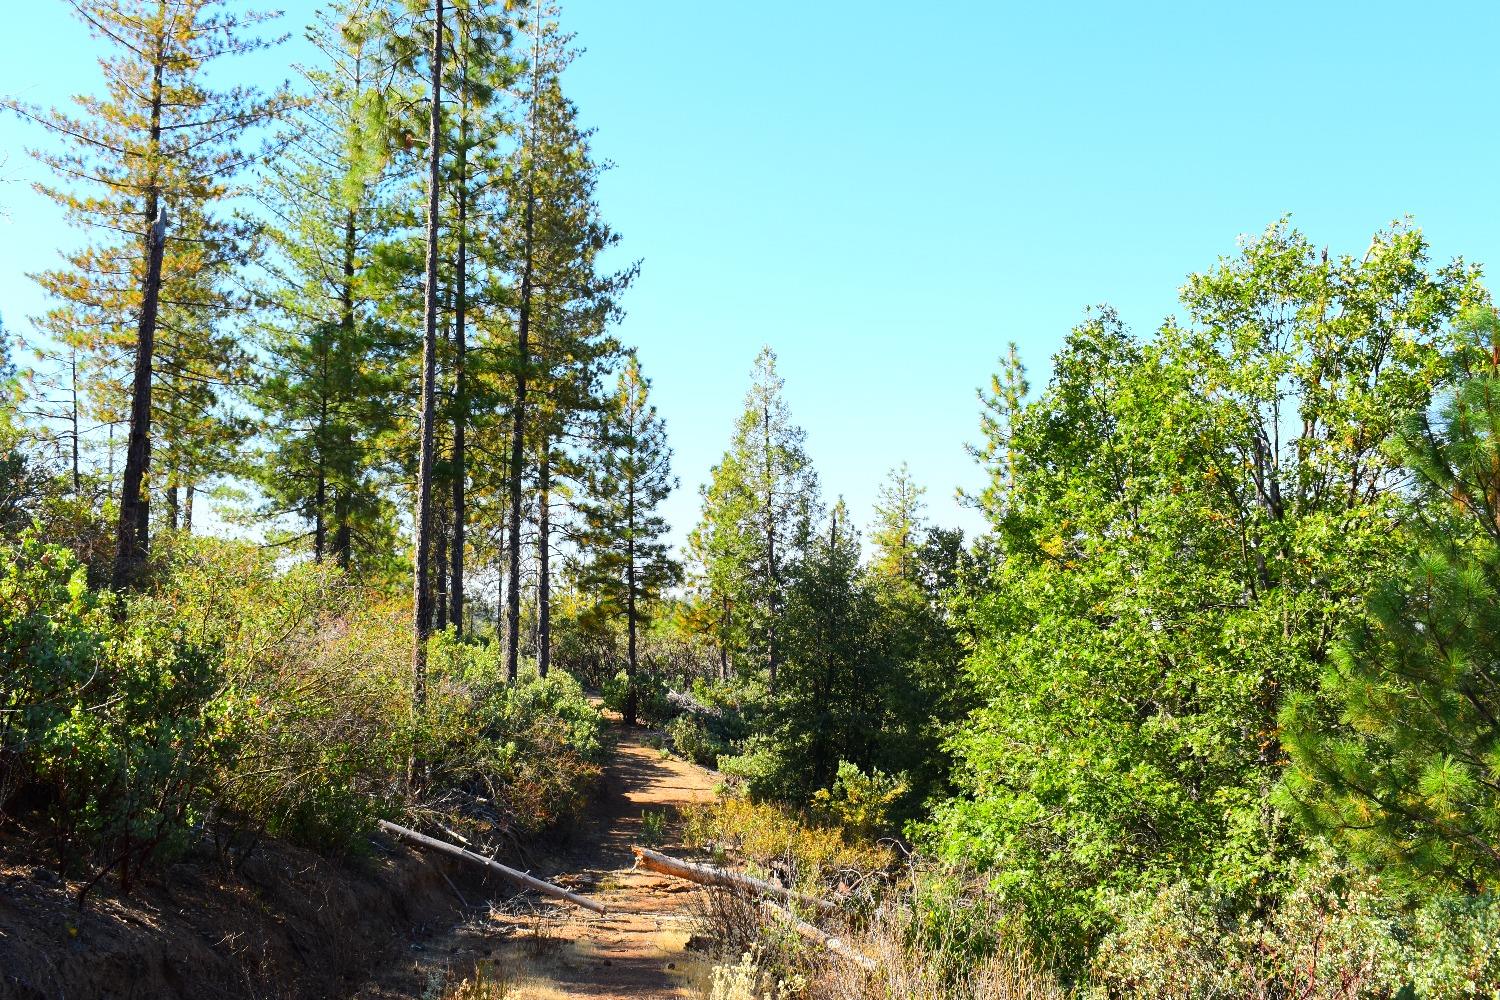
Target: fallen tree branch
column 820, row 936
column 520, row 878
column 684, row 702
column 710, row 875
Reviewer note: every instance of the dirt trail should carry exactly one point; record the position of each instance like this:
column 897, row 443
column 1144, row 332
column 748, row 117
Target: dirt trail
column 543, row 950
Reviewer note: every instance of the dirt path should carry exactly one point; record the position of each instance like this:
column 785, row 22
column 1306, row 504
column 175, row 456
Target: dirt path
column 540, row 950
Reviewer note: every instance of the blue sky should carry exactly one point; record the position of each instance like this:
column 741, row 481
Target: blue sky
column 888, row 193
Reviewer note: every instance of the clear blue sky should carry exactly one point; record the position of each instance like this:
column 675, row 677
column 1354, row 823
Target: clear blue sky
column 887, row 193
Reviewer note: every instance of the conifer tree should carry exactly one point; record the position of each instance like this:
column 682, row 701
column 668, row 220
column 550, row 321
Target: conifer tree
column 828, row 705
column 159, row 137
column 552, row 240
column 1000, row 408
column 758, row 508
column 898, row 533
column 1400, row 758
column 326, row 395
column 629, row 563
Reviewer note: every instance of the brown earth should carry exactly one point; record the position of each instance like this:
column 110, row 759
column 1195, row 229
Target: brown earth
column 540, row 949
column 293, row 925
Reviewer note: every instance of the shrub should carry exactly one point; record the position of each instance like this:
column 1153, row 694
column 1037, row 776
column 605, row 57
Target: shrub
column 860, row 804
column 651, row 708
column 118, row 726
column 692, row 740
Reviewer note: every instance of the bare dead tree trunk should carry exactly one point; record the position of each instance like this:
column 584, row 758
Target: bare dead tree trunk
column 421, row 599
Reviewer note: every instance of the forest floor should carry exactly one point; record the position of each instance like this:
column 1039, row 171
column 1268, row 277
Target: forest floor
column 540, row 949
column 399, row 923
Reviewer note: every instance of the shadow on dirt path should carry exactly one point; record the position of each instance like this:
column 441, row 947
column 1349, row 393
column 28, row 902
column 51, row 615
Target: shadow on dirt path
column 538, row 949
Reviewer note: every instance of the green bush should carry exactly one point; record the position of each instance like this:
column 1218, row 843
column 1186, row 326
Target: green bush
column 118, row 726
column 692, row 740
column 860, row 804
column 652, row 708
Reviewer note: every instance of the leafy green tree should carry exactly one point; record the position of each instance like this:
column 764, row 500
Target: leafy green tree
column 629, row 563
column 1186, row 527
column 758, row 509
column 1398, row 755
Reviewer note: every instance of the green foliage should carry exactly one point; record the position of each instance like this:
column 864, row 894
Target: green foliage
column 647, row 692
column 653, row 826
column 692, row 740
column 118, row 725
column 859, row 803
column 1399, row 754
column 1334, row 932
column 758, row 510
column 1186, row 526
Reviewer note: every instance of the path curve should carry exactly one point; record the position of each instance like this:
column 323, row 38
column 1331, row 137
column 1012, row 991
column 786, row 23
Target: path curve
column 542, row 949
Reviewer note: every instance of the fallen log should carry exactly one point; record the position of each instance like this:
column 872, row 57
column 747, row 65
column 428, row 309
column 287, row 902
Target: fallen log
column 817, row 935
column 710, row 875
column 520, row 878
column 684, row 702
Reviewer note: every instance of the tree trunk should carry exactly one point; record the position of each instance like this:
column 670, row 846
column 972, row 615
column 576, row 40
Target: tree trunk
column 342, row 541
column 187, row 509
column 73, row 376
column 632, row 658
column 133, row 533
column 422, row 604
column 774, row 603
column 544, row 562
column 460, row 387
column 518, row 450
column 134, row 530
column 440, row 577
column 341, row 533
column 320, row 500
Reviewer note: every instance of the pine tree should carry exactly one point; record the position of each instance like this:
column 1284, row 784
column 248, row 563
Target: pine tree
column 898, row 532
column 1000, row 408
column 159, row 138
column 326, row 395
column 757, row 511
column 1400, row 757
column 628, row 561
column 828, row 706
column 552, row 238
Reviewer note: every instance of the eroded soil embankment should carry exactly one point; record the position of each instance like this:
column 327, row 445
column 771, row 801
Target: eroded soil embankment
column 290, row 925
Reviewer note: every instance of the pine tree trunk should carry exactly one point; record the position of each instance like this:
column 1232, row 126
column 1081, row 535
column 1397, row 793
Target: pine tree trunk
column 341, row 533
column 632, row 658
column 544, row 562
column 460, row 387
column 440, row 578
column 172, row 511
column 187, row 509
column 73, row 370
column 342, row 541
column 133, row 533
column 320, row 500
column 518, row 450
column 422, row 610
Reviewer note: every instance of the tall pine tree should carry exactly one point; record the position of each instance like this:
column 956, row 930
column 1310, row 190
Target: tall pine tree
column 628, row 561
